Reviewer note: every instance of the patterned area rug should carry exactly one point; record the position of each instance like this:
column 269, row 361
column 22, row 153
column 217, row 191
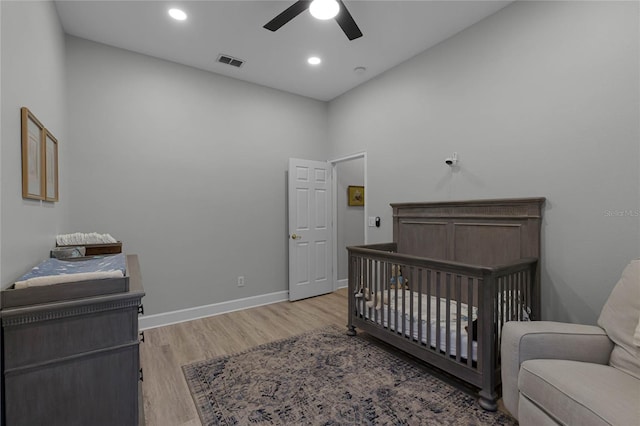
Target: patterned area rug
column 325, row 377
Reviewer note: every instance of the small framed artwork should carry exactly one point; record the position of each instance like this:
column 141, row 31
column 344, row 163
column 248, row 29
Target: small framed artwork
column 33, row 178
column 356, row 195
column 50, row 166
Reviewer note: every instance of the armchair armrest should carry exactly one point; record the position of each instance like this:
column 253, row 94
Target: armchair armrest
column 526, row 340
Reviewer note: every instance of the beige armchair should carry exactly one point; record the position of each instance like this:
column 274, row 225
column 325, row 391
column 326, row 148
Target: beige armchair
column 572, row 374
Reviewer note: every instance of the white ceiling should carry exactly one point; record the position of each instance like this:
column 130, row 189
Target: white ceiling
column 394, row 31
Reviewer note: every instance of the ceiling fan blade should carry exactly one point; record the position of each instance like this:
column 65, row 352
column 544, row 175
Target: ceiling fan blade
column 347, row 23
column 291, row 12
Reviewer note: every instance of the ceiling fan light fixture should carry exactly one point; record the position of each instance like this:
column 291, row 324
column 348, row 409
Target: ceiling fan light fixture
column 177, row 14
column 324, row 9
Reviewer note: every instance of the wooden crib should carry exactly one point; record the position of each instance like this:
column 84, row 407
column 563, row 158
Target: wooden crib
column 454, row 274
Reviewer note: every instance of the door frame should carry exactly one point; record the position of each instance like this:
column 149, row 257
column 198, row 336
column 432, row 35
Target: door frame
column 334, row 207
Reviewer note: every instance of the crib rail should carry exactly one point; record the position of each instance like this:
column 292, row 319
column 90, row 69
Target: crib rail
column 460, row 308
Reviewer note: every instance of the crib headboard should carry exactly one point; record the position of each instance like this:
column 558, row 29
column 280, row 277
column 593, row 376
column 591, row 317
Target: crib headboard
column 478, row 232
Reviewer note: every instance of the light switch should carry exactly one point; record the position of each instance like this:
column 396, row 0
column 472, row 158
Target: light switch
column 372, row 221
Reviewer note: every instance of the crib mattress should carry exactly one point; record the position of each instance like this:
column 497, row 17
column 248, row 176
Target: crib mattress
column 380, row 313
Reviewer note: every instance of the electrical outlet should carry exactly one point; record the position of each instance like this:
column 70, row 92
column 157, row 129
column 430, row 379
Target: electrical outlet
column 240, row 281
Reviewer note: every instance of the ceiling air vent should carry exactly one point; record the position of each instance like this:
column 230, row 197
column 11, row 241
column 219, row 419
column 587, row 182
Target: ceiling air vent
column 230, row 60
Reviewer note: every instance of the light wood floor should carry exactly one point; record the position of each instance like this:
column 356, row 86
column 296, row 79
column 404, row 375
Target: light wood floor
column 167, row 401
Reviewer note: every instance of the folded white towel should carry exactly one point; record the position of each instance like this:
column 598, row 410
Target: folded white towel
column 66, row 278
column 79, row 238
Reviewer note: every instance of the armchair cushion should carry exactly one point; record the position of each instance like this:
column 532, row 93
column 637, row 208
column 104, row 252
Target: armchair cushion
column 620, row 316
column 580, row 393
column 522, row 341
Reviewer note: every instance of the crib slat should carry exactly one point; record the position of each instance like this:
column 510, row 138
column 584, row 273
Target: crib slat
column 508, row 298
column 395, row 302
column 512, row 298
column 470, row 334
column 354, row 286
column 428, row 326
column 437, row 322
column 374, row 288
column 525, row 293
column 359, row 261
column 420, row 305
column 458, row 297
column 410, row 280
column 518, row 278
column 518, row 299
column 369, row 280
column 506, row 294
column 380, row 292
column 502, row 288
column 363, row 273
column 359, row 268
column 387, row 273
column 481, row 318
column 521, row 297
column 501, row 285
column 447, row 327
column 517, row 312
column 529, row 292
column 400, row 292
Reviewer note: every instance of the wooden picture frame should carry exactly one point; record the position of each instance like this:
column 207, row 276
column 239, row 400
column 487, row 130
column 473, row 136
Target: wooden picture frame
column 355, row 195
column 33, row 177
column 50, row 166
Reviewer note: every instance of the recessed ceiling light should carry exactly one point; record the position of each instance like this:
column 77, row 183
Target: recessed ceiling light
column 314, row 60
column 177, row 14
column 359, row 70
column 324, row 9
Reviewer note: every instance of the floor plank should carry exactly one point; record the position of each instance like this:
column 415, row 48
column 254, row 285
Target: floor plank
column 166, row 397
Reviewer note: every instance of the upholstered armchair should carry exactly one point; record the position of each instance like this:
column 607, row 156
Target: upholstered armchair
column 572, row 374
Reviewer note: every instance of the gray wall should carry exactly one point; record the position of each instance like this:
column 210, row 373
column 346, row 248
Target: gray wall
column 350, row 226
column 33, row 75
column 540, row 99
column 187, row 168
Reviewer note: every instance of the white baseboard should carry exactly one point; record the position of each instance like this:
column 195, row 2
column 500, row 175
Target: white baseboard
column 342, row 283
column 182, row 315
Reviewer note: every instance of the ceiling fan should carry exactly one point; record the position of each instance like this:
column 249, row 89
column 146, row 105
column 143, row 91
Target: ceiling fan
column 337, row 7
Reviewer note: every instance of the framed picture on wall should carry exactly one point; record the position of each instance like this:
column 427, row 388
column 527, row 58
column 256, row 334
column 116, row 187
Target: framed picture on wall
column 356, row 195
column 33, row 178
column 50, row 166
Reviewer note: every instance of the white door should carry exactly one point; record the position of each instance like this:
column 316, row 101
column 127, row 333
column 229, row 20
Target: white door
column 310, row 258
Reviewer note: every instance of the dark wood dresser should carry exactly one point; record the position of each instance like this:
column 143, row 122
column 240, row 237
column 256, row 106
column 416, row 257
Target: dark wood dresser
column 75, row 361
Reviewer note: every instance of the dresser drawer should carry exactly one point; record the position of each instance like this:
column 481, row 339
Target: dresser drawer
column 64, row 333
column 96, row 389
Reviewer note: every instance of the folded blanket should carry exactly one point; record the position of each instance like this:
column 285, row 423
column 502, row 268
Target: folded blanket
column 66, row 278
column 80, row 238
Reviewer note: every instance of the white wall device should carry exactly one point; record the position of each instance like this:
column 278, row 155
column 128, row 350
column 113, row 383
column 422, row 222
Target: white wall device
column 452, row 161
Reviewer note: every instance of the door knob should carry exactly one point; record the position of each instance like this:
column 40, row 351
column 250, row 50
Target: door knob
column 295, row 237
